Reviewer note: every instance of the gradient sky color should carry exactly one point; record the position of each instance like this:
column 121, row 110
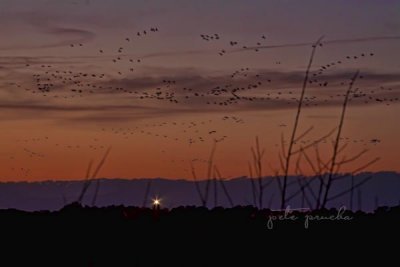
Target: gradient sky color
column 54, row 134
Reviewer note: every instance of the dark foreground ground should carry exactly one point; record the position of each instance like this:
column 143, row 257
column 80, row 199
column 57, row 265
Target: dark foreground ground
column 188, row 236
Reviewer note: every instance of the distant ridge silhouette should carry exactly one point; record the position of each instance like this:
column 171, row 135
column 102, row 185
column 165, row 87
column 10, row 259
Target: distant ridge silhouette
column 52, row 195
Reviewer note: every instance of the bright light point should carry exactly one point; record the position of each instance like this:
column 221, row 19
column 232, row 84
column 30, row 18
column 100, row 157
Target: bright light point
column 156, row 202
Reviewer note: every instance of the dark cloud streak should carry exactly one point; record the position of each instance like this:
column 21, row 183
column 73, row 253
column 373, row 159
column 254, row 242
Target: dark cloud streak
column 329, row 42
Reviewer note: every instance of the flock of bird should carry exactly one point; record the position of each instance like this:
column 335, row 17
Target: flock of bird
column 241, row 87
column 190, row 132
column 231, row 44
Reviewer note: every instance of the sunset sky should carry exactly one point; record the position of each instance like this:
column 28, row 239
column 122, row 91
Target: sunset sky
column 153, row 80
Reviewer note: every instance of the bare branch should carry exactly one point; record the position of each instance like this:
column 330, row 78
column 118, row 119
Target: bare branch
column 336, row 143
column 228, row 196
column 101, row 163
column 319, row 140
column 301, row 136
column 209, row 170
column 196, row 184
column 296, row 123
column 350, row 189
column 146, row 193
column 355, row 157
column 283, row 145
column 365, row 165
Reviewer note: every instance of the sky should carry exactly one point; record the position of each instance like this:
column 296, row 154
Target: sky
column 161, row 81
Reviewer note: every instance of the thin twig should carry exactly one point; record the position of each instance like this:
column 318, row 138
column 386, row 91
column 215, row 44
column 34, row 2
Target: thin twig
column 209, row 171
column 97, row 170
column 146, row 193
column 86, row 183
column 319, row 140
column 196, row 184
column 228, row 196
column 337, row 141
column 301, row 136
column 357, row 185
column 253, row 186
column 296, row 122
